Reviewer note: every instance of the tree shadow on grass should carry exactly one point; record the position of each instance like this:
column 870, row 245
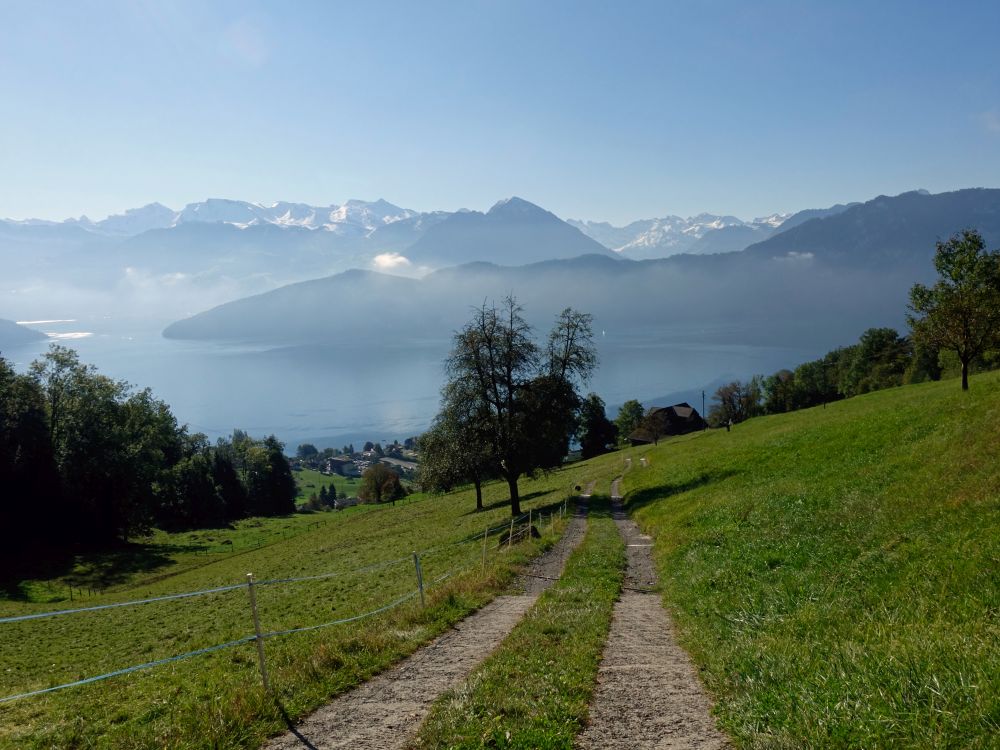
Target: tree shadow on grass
column 89, row 569
column 503, row 503
column 641, row 498
column 549, row 509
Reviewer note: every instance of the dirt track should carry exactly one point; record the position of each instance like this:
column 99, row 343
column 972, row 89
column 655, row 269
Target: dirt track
column 648, row 694
column 385, row 711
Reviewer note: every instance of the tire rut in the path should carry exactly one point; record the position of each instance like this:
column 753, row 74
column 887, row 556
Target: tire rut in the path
column 384, row 712
column 648, row 694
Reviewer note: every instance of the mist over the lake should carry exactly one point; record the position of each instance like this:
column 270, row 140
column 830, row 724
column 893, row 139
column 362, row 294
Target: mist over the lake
column 333, row 333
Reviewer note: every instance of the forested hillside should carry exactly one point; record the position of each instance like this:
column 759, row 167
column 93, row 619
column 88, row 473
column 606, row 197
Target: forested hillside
column 87, row 460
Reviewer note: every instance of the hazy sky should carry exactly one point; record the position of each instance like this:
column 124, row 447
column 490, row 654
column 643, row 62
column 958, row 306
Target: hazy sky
column 606, row 111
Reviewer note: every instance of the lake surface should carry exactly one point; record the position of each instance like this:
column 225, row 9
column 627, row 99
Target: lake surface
column 333, row 394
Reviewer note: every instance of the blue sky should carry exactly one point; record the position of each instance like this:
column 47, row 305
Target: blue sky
column 605, row 111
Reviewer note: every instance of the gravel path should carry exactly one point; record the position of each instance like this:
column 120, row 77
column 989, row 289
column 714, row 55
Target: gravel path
column 384, row 712
column 648, row 694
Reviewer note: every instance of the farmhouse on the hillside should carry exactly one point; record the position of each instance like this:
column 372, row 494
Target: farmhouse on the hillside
column 343, row 466
column 661, row 421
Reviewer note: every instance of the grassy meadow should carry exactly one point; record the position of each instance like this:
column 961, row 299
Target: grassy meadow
column 835, row 572
column 216, row 700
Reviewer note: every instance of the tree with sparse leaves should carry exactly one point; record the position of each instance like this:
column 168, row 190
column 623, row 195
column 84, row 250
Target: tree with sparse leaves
column 961, row 312
column 736, row 402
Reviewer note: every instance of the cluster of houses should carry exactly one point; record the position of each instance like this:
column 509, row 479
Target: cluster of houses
column 403, row 462
column 658, row 422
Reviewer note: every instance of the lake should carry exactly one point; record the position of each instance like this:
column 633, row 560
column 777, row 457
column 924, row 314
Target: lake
column 334, row 394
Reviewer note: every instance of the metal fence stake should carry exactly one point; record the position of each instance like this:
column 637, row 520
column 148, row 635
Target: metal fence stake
column 420, row 578
column 260, row 637
column 510, row 536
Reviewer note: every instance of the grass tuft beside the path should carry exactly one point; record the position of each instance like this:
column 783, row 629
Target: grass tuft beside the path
column 835, row 572
column 533, row 691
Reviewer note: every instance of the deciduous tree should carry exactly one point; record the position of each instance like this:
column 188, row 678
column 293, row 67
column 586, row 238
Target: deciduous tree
column 457, row 447
column 597, row 432
column 528, row 397
column 961, row 312
column 629, row 418
column 737, row 401
column 380, row 484
column 306, row 451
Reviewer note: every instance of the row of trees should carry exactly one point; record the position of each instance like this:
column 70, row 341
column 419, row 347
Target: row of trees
column 88, row 459
column 882, row 358
column 955, row 326
column 509, row 407
column 309, row 452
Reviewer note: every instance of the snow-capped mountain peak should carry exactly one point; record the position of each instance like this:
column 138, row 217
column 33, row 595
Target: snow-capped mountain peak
column 774, row 220
column 670, row 235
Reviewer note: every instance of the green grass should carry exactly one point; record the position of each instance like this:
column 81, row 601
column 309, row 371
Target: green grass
column 216, row 700
column 533, row 691
column 156, row 557
column 310, row 481
column 836, row 572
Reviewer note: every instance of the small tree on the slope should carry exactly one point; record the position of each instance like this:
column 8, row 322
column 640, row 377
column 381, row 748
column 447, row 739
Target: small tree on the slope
column 629, row 419
column 306, row 451
column 457, row 449
column 597, row 432
column 961, row 312
column 736, row 401
column 380, row 484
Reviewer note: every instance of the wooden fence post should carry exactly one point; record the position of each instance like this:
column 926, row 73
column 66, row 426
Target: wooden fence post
column 485, row 534
column 260, row 636
column 420, row 578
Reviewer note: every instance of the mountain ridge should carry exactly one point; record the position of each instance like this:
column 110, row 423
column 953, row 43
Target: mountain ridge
column 832, row 275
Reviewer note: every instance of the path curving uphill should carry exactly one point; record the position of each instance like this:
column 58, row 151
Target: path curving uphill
column 648, row 694
column 386, row 711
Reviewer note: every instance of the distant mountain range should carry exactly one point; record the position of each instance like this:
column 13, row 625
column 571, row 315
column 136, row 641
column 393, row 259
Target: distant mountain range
column 355, row 233
column 826, row 278
column 167, row 264
column 354, row 217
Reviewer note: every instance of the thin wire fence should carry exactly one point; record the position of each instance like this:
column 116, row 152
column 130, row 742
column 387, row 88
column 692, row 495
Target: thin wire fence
column 259, row 636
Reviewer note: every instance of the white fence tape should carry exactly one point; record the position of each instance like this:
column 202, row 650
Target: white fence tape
column 247, row 639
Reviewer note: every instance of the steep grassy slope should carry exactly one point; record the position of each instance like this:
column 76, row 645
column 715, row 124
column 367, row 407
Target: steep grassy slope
column 215, row 700
column 836, row 572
